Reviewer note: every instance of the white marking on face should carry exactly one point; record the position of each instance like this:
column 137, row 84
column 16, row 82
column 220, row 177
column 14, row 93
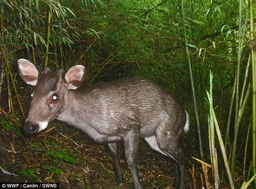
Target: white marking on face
column 186, row 128
column 42, row 125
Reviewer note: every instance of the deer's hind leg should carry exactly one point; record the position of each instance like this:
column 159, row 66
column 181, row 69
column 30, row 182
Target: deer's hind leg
column 169, row 143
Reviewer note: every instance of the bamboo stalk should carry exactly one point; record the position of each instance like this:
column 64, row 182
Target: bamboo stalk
column 211, row 133
column 224, row 155
column 230, row 114
column 219, row 136
column 9, row 94
column 1, row 80
column 192, row 81
column 253, row 60
column 1, row 37
column 48, row 39
column 33, row 49
column 8, row 69
column 246, row 150
column 246, row 78
column 237, row 93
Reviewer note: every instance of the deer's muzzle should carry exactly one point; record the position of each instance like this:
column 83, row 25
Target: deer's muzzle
column 30, row 128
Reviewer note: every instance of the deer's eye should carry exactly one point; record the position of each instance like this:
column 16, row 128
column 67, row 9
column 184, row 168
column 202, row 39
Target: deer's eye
column 54, row 97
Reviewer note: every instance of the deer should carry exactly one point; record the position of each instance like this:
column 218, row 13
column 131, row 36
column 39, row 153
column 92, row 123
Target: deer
column 127, row 110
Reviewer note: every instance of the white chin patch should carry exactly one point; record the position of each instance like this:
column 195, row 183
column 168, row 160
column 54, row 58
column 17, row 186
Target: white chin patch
column 42, row 125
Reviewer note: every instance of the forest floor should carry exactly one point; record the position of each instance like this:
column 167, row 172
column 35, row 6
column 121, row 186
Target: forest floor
column 67, row 156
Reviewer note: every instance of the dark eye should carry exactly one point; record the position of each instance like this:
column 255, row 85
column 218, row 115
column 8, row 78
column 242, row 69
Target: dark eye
column 55, row 97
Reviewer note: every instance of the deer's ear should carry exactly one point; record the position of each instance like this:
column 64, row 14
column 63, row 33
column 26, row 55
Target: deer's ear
column 28, row 72
column 74, row 77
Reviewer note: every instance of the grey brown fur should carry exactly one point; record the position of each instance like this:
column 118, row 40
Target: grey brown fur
column 122, row 110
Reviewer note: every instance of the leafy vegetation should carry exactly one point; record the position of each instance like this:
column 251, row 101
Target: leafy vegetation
column 7, row 126
column 62, row 155
column 175, row 43
column 30, row 173
column 52, row 169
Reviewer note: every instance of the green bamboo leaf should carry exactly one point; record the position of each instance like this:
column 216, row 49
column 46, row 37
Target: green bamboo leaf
column 37, row 4
column 192, row 46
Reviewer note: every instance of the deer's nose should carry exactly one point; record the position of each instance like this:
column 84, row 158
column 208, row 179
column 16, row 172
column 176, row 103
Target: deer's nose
column 30, row 128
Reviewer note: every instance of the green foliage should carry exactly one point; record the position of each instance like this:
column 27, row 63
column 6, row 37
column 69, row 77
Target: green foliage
column 62, row 155
column 7, row 126
column 117, row 187
column 52, row 169
column 34, row 145
column 30, row 173
column 51, row 143
column 140, row 167
column 93, row 3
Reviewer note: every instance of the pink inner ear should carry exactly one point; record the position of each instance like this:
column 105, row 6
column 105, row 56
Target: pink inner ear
column 74, row 76
column 28, row 71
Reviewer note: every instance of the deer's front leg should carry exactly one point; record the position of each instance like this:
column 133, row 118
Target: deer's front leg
column 131, row 144
column 118, row 170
